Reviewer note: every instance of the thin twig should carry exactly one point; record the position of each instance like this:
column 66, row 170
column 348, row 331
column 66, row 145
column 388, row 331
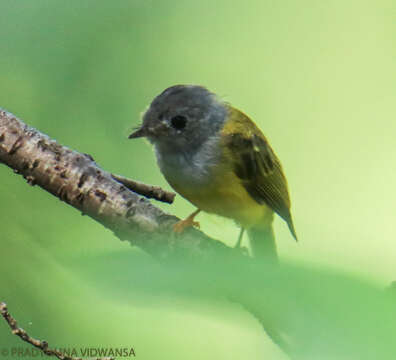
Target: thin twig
column 149, row 191
column 39, row 344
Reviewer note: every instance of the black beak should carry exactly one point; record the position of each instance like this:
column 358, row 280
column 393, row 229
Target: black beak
column 141, row 132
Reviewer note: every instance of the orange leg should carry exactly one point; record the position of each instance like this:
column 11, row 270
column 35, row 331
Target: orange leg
column 182, row 225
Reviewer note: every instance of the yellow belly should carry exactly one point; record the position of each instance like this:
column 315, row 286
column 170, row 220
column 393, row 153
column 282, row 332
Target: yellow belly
column 226, row 196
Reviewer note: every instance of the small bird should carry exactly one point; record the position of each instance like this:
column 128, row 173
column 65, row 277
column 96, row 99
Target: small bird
column 218, row 159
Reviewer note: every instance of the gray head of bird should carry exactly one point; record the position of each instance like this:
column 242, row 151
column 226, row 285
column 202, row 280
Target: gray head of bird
column 182, row 117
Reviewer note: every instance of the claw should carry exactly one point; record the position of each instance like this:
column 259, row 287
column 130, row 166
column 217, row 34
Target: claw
column 182, row 225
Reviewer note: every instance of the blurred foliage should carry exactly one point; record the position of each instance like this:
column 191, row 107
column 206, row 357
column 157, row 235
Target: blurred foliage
column 318, row 77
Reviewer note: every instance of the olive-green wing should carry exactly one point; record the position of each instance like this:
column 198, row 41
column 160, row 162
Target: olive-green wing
column 260, row 171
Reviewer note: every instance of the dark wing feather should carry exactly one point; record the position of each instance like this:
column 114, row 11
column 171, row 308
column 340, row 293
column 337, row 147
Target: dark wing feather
column 260, row 171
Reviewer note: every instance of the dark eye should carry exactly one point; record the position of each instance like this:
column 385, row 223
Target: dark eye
column 179, row 122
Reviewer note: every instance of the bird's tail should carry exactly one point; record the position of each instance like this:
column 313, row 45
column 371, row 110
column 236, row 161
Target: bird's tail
column 262, row 243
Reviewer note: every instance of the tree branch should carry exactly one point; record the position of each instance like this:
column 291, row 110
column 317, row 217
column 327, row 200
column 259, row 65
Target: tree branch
column 39, row 344
column 77, row 180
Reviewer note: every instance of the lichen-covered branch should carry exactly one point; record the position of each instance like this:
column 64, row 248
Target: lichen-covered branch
column 39, row 344
column 76, row 179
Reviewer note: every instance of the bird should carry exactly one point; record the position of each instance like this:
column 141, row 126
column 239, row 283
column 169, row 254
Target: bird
column 217, row 158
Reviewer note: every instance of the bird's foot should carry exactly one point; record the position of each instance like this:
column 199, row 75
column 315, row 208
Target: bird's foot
column 182, row 225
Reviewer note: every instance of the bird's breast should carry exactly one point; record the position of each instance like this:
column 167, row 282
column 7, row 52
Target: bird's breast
column 190, row 167
column 208, row 181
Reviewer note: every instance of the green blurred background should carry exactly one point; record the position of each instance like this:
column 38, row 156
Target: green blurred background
column 317, row 76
